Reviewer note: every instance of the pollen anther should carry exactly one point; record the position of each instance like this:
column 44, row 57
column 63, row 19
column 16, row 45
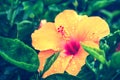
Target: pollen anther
column 61, row 30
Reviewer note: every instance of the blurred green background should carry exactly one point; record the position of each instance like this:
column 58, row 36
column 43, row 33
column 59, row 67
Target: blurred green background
column 19, row 18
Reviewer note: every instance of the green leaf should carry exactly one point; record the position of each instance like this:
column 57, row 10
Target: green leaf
column 110, row 43
column 48, row 2
column 50, row 61
column 24, row 30
column 38, row 8
column 19, row 54
column 115, row 60
column 62, row 77
column 26, row 5
column 100, row 4
column 90, row 63
column 96, row 53
column 104, row 46
column 32, row 9
column 28, row 9
column 85, row 72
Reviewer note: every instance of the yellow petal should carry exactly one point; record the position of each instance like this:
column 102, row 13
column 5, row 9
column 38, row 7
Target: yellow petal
column 91, row 44
column 77, row 62
column 43, row 55
column 92, row 28
column 46, row 38
column 59, row 65
column 68, row 19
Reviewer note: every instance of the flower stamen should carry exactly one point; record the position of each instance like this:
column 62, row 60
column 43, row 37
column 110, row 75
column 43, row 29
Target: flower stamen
column 60, row 30
column 63, row 32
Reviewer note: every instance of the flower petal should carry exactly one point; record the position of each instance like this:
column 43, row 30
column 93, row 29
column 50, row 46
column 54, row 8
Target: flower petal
column 91, row 44
column 59, row 65
column 43, row 55
column 46, row 37
column 77, row 62
column 68, row 19
column 92, row 28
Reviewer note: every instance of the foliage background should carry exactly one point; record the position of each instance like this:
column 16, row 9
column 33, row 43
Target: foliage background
column 19, row 18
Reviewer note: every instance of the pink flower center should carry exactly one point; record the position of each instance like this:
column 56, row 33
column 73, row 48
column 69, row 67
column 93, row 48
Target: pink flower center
column 72, row 47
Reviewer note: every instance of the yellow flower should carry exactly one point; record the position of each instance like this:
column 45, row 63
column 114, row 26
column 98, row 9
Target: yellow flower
column 65, row 35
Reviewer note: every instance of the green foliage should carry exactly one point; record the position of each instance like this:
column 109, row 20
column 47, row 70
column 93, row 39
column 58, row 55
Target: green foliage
column 115, row 62
column 48, row 2
column 32, row 9
column 110, row 43
column 97, row 5
column 24, row 30
column 62, row 77
column 88, row 70
column 19, row 54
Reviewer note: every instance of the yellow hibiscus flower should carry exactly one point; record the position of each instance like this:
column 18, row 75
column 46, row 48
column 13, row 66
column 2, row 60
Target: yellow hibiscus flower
column 65, row 35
